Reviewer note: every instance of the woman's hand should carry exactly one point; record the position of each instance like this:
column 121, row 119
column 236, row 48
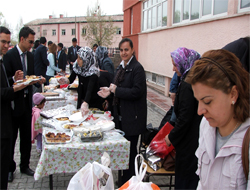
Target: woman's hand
column 167, row 140
column 84, row 109
column 104, row 92
column 112, row 87
column 63, row 80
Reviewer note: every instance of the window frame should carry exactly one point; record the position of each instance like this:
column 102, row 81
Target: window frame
column 84, row 33
column 53, row 30
column 242, row 10
column 64, row 32
column 200, row 18
column 73, row 29
column 146, row 8
column 45, row 32
column 118, row 31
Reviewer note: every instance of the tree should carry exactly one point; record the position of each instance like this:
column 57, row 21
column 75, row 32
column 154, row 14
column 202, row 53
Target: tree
column 18, row 27
column 99, row 29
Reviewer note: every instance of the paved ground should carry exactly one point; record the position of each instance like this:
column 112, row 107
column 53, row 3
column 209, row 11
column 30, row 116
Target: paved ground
column 60, row 181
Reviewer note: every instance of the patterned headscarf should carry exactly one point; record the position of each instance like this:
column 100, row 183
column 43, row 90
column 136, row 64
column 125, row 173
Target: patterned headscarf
column 90, row 66
column 184, row 59
column 101, row 52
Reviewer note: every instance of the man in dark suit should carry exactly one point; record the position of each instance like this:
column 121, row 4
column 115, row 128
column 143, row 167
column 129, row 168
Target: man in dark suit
column 72, row 53
column 41, row 61
column 7, row 95
column 61, row 57
column 20, row 58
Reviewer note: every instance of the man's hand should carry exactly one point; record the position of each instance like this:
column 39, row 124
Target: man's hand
column 167, row 140
column 42, row 80
column 71, row 63
column 19, row 87
column 104, row 92
column 18, row 75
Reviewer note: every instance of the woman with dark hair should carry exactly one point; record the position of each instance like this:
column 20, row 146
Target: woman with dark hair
column 36, row 44
column 221, row 86
column 184, row 136
column 87, row 71
column 129, row 101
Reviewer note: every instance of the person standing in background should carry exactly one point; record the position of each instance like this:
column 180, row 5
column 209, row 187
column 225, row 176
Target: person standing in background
column 20, row 58
column 49, row 44
column 7, row 95
column 61, row 58
column 41, row 61
column 51, row 69
column 104, row 62
column 95, row 46
column 72, row 53
column 36, row 44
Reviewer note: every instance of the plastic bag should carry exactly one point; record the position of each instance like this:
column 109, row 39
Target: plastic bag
column 135, row 182
column 93, row 176
column 158, row 145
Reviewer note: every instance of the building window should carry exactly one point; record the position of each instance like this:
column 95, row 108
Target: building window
column 53, row 32
column 154, row 14
column 155, row 78
column 73, row 31
column 38, row 29
column 187, row 10
column 84, row 31
column 244, row 5
column 94, row 31
column 118, row 31
column 44, row 32
column 63, row 32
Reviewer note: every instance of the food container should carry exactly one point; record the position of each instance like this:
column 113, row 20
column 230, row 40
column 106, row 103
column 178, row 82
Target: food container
column 155, row 162
column 56, row 137
column 91, row 136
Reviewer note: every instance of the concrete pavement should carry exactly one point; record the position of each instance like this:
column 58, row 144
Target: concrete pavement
column 156, row 111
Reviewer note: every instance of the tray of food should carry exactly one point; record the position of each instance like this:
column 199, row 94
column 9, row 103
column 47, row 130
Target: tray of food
column 70, row 126
column 56, row 137
column 28, row 79
column 91, row 136
column 49, row 94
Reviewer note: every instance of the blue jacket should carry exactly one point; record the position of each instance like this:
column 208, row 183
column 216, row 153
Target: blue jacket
column 51, row 68
column 174, row 83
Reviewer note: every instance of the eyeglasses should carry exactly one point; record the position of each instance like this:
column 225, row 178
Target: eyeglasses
column 5, row 42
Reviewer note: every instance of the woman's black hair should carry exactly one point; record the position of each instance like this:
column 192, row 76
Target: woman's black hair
column 126, row 40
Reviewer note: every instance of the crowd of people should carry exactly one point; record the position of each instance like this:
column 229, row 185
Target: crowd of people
column 210, row 94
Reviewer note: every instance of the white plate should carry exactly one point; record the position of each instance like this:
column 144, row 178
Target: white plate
column 77, row 117
column 70, row 133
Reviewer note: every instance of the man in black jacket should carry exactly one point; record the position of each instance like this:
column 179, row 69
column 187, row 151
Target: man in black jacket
column 20, row 58
column 61, row 57
column 72, row 53
column 7, row 95
column 41, row 61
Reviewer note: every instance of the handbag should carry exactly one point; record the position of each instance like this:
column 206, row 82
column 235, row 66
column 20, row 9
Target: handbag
column 245, row 153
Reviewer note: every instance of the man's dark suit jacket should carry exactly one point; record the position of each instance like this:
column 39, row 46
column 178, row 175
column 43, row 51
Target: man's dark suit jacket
column 71, row 56
column 12, row 63
column 62, row 61
column 7, row 95
column 41, row 61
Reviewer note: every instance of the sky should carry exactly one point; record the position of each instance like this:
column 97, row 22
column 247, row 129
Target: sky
column 28, row 10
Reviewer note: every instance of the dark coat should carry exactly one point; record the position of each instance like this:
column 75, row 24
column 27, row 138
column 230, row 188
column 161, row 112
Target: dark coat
column 185, row 134
column 71, row 56
column 7, row 95
column 12, row 63
column 107, row 65
column 132, row 94
column 87, row 90
column 41, row 61
column 62, row 61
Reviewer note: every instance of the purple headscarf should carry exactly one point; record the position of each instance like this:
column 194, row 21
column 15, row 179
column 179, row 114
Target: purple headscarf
column 184, row 59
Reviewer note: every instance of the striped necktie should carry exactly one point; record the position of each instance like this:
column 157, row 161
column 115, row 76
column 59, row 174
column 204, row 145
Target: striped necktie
column 23, row 64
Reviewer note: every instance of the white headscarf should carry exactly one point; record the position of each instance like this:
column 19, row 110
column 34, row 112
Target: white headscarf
column 90, row 66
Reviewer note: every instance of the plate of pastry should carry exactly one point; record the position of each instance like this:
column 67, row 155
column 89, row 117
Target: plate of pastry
column 56, row 137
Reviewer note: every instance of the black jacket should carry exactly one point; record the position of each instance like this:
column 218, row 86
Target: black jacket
column 132, row 94
column 62, row 61
column 41, row 61
column 87, row 90
column 7, row 95
column 12, row 63
column 71, row 56
column 185, row 134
